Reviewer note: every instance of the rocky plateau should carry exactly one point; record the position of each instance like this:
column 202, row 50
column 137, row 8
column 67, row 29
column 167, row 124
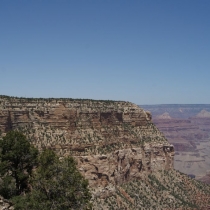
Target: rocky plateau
column 128, row 161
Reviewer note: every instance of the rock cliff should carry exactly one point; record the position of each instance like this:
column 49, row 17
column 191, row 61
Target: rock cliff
column 113, row 141
column 127, row 160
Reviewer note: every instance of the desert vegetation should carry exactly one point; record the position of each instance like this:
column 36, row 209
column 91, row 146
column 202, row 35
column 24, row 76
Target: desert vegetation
column 39, row 181
column 163, row 190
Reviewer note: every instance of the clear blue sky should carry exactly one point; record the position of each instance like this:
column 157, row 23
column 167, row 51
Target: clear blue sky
column 143, row 51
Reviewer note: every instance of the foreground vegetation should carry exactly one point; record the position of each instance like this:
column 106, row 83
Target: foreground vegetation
column 39, row 181
column 33, row 180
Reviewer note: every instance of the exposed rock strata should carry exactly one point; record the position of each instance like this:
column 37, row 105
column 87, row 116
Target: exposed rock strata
column 127, row 160
column 189, row 131
column 126, row 164
column 113, row 141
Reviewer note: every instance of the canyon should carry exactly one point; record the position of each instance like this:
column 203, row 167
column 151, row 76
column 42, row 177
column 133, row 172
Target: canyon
column 187, row 127
column 127, row 160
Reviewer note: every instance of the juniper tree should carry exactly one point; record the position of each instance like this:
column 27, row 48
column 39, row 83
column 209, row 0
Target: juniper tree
column 17, row 159
column 56, row 185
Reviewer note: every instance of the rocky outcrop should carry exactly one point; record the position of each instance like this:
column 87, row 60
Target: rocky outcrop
column 5, row 204
column 113, row 141
column 126, row 164
column 127, row 160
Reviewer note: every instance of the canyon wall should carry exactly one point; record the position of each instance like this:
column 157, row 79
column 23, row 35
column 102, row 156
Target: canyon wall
column 127, row 160
column 187, row 127
column 113, row 141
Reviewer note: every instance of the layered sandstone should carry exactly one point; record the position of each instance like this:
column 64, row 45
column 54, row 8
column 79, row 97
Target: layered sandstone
column 127, row 160
column 113, row 141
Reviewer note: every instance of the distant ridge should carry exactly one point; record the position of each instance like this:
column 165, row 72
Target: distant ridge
column 203, row 114
column 182, row 111
column 165, row 115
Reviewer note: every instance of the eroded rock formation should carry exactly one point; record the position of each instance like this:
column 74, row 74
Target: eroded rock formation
column 113, row 141
column 127, row 160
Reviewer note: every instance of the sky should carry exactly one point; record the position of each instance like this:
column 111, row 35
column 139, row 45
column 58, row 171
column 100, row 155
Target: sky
column 143, row 51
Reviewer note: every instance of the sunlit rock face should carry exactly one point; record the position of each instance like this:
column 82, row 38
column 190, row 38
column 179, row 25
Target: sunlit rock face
column 126, row 159
column 113, row 141
column 125, row 164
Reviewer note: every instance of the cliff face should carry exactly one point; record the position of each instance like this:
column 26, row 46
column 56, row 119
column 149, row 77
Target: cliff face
column 124, row 165
column 113, row 141
column 127, row 160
